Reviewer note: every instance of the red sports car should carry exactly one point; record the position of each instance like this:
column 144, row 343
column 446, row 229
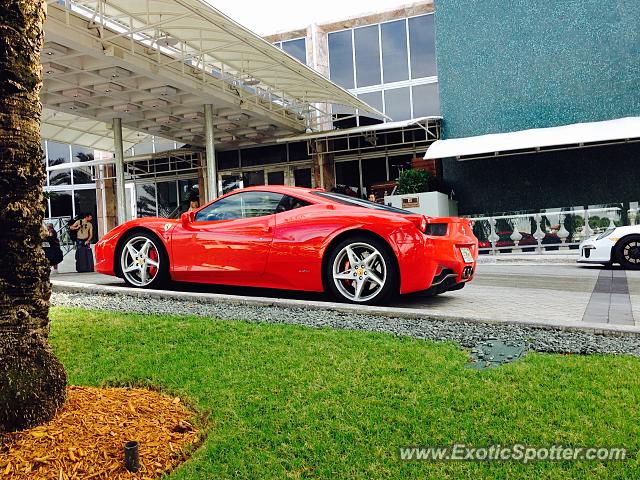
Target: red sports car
column 296, row 239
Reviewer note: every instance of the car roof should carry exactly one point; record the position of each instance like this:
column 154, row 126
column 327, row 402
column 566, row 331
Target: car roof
column 300, row 192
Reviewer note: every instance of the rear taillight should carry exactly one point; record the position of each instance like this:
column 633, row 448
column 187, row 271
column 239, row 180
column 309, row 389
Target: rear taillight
column 437, row 229
column 420, row 223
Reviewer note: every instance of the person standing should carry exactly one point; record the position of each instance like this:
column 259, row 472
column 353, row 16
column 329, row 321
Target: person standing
column 51, row 247
column 84, row 255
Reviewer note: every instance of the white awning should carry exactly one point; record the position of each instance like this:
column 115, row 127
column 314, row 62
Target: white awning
column 155, row 63
column 85, row 132
column 363, row 129
column 538, row 139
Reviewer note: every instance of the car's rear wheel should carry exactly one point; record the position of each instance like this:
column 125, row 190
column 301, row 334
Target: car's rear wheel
column 144, row 262
column 361, row 270
column 628, row 252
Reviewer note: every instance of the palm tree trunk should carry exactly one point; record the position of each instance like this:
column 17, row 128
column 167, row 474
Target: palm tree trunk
column 32, row 380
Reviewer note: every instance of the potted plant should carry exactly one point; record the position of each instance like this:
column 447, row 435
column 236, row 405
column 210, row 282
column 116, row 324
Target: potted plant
column 415, row 193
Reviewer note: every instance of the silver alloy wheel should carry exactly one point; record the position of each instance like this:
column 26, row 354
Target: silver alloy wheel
column 359, row 272
column 140, row 261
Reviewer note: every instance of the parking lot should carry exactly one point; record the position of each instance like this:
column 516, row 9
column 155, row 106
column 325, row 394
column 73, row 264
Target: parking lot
column 556, row 293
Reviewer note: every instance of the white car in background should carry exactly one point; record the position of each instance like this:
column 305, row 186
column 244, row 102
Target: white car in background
column 614, row 245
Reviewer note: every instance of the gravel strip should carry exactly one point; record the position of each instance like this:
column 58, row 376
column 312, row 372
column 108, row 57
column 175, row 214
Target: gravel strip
column 465, row 334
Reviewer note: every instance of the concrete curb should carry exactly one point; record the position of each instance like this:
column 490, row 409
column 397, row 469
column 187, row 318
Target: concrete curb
column 407, row 313
column 530, row 258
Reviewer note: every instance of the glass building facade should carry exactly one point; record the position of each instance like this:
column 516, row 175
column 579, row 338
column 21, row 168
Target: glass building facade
column 296, row 47
column 390, row 65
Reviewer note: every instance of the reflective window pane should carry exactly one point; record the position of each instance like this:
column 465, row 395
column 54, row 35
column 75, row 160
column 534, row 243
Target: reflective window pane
column 348, row 177
column 58, row 153
column 228, row 208
column 367, row 56
column 275, row 178
column 82, row 175
column 259, row 204
column 297, row 49
column 188, row 190
column 263, row 155
column 302, row 177
column 230, row 183
column 341, row 58
column 397, row 103
column 374, row 170
column 253, row 178
column 425, row 100
column 85, row 202
column 241, row 205
column 167, row 199
column 146, row 200
column 375, row 100
column 61, row 204
column 228, row 159
column 422, row 42
column 395, row 63
column 59, row 177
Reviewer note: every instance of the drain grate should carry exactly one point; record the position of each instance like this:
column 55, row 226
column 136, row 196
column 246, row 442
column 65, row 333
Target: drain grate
column 493, row 353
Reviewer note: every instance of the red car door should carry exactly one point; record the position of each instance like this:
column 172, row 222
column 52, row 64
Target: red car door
column 228, row 242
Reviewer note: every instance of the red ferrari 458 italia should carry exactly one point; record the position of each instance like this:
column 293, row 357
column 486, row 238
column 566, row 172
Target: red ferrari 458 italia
column 295, row 239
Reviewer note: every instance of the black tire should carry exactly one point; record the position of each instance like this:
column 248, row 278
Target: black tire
column 627, row 252
column 371, row 292
column 123, row 254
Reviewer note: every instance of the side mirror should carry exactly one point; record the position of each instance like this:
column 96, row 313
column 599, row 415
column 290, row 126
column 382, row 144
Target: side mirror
column 187, row 217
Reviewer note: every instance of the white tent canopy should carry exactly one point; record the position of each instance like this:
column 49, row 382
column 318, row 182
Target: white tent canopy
column 566, row 136
column 85, row 132
column 155, row 63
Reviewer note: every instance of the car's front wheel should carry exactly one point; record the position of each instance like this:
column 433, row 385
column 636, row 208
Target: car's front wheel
column 628, row 252
column 361, row 270
column 143, row 261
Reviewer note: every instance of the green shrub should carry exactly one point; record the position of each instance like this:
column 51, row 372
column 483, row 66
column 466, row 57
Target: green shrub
column 413, row 181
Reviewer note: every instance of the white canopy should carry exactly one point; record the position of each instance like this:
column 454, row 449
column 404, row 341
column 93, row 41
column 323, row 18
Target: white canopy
column 155, row 63
column 362, row 129
column 566, row 136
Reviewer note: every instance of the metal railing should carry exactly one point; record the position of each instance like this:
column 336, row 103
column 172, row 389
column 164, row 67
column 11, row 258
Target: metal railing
column 561, row 229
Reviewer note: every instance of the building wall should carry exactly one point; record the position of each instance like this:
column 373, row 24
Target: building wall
column 506, row 66
column 588, row 176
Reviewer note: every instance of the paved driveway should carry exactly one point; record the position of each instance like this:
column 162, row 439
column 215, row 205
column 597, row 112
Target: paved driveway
column 533, row 292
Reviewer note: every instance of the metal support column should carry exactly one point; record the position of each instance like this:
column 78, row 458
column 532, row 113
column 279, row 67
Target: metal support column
column 212, row 171
column 121, row 203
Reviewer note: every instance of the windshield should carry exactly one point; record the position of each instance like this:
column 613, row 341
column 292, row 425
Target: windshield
column 358, row 202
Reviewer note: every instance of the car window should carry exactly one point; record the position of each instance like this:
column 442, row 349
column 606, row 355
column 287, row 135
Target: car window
column 290, row 203
column 240, row 205
column 357, row 202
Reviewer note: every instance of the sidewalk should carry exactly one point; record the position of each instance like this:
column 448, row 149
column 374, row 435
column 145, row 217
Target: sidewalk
column 68, row 264
column 557, row 258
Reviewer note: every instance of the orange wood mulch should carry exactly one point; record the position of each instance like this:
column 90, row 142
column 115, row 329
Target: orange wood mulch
column 85, row 440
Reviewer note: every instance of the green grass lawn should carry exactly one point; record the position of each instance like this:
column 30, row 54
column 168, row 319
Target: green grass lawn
column 294, row 402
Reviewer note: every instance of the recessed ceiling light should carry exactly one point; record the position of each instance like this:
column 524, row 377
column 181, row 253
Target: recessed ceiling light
column 155, row 103
column 73, row 105
column 51, row 48
column 126, row 107
column 115, row 72
column 76, row 92
column 164, row 91
column 108, row 87
column 51, row 68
